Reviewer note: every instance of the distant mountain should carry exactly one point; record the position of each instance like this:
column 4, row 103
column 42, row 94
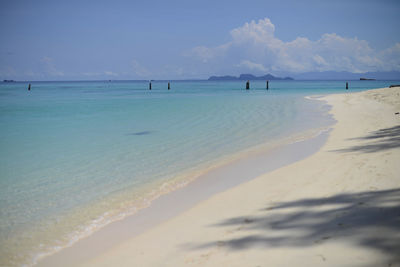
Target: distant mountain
column 344, row 75
column 247, row 77
column 223, row 78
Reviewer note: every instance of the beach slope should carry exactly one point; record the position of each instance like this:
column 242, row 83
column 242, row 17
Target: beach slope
column 338, row 207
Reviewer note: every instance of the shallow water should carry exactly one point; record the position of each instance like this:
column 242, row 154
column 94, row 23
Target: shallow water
column 77, row 155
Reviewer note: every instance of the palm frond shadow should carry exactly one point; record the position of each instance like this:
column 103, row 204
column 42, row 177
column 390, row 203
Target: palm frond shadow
column 368, row 219
column 383, row 139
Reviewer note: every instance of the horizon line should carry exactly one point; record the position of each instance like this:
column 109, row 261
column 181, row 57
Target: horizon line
column 183, row 80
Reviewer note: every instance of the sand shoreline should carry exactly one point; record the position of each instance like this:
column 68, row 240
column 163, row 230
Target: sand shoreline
column 268, row 220
column 241, row 168
column 157, row 189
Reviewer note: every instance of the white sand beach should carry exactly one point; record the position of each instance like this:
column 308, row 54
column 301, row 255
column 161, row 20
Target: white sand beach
column 338, row 207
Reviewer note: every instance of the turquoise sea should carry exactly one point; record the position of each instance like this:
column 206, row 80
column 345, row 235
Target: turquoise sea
column 75, row 156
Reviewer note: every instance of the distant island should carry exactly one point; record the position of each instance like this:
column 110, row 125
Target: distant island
column 246, row 77
column 367, row 79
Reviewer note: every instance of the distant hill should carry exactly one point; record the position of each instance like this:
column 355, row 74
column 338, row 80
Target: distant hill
column 344, row 75
column 247, row 77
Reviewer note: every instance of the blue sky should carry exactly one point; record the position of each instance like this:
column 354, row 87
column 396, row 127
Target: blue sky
column 89, row 40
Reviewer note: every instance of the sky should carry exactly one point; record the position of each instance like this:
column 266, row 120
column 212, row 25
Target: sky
column 126, row 40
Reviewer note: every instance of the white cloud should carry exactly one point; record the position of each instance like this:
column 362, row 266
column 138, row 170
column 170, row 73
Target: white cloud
column 261, row 32
column 254, row 46
column 252, row 66
column 391, row 57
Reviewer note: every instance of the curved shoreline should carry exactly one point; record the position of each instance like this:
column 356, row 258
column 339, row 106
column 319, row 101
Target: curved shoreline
column 324, row 208
column 198, row 189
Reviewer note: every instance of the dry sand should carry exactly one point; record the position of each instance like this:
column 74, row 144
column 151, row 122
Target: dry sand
column 338, row 207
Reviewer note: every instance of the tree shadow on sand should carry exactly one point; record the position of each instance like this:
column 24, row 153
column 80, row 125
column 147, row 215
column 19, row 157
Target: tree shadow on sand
column 383, row 139
column 367, row 219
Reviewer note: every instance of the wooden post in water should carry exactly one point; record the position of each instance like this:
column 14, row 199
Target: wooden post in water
column 149, row 85
column 267, row 85
column 347, row 86
column 247, row 85
column 29, row 87
column 169, row 86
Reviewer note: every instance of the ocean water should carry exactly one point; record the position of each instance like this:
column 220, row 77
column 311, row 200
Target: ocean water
column 75, row 156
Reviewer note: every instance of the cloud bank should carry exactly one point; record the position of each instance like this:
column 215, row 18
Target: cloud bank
column 254, row 47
